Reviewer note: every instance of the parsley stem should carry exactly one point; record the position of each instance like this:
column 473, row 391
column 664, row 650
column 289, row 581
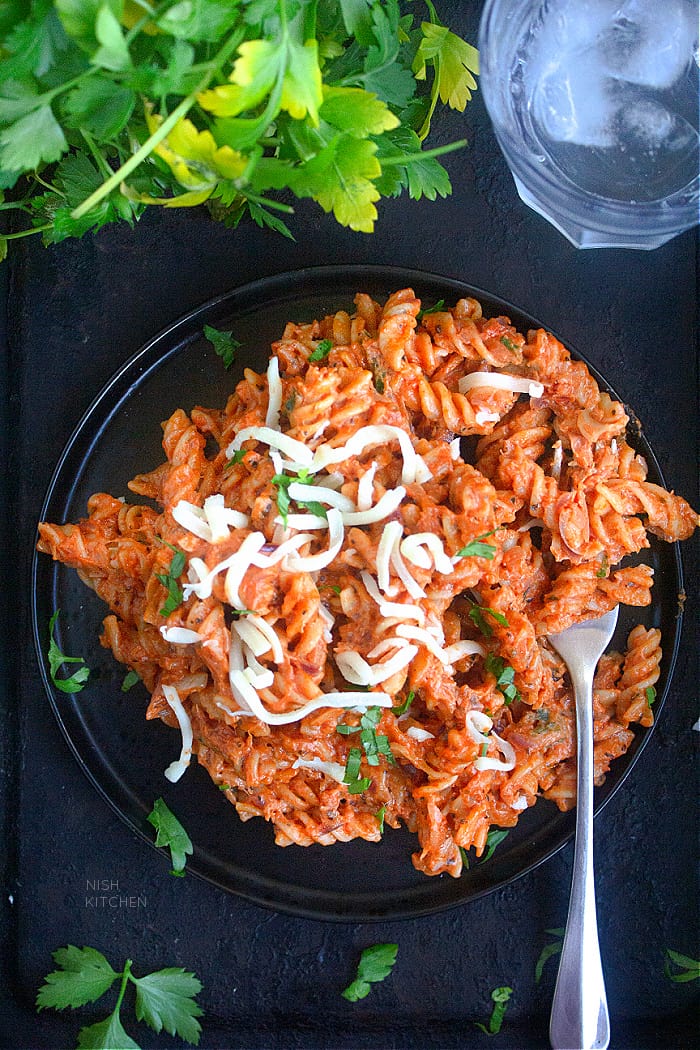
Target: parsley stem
column 26, row 233
column 277, row 205
column 126, row 974
column 408, row 158
column 161, row 132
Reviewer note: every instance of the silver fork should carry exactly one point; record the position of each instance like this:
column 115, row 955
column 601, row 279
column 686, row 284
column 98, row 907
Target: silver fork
column 579, row 1018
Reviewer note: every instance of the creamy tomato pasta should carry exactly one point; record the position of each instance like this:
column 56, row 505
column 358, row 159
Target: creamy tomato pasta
column 344, row 608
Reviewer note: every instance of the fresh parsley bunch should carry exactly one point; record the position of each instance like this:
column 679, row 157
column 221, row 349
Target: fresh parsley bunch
column 111, row 106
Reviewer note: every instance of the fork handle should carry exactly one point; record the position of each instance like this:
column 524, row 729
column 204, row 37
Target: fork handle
column 579, row 1018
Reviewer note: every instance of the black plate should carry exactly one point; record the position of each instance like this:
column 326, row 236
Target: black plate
column 124, row 757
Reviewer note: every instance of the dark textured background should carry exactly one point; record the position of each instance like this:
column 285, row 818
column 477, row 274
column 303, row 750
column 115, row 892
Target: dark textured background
column 76, row 312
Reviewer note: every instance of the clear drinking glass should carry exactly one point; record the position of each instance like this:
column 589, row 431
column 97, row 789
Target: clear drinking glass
column 595, row 107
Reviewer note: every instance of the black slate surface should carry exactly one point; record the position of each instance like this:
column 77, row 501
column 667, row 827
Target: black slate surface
column 76, row 312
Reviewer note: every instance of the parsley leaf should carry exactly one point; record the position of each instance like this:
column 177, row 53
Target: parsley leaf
column 282, row 483
column 322, row 350
column 403, row 707
column 31, row 141
column 170, row 833
column 374, row 744
column 56, row 658
column 165, row 999
column 83, row 976
column 500, row 998
column 504, row 675
column 169, row 580
column 509, row 344
column 106, row 1035
column 554, row 948
column 493, row 839
column 224, row 344
column 376, row 963
column 130, row 680
column 453, row 61
column 380, row 818
column 477, row 549
column 352, row 777
column 435, row 309
column 690, row 968
column 650, row 694
column 476, row 615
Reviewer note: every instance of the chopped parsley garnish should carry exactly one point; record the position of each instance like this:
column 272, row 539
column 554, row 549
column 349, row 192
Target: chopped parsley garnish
column 282, row 483
column 690, row 968
column 404, row 706
column 224, row 344
column 169, row 580
column 374, row 744
column 509, row 344
column 554, row 948
column 493, row 839
column 504, row 675
column 484, row 750
column 130, row 680
column 477, row 549
column 650, row 694
column 170, row 833
column 375, row 964
column 164, row 999
column 352, row 777
column 439, row 305
column 380, row 819
column 602, row 572
column 322, row 350
column 476, row 615
column 500, row 998
column 56, row 658
column 465, row 858
column 237, row 457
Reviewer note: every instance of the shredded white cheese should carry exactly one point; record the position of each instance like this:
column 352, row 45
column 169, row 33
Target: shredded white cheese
column 274, row 390
column 386, row 505
column 210, row 522
column 303, row 521
column 180, row 635
column 414, row 467
column 355, row 669
column 419, row 734
column 299, row 491
column 500, row 381
column 177, row 768
column 314, row 562
column 419, row 548
column 505, row 764
column 365, row 488
column 391, row 610
column 239, row 565
column 295, row 450
column 245, row 693
column 391, row 535
column 399, row 567
column 332, row 769
column 264, row 561
column 484, row 416
column 477, row 725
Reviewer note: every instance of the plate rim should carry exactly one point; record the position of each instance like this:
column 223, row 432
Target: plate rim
column 276, row 896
